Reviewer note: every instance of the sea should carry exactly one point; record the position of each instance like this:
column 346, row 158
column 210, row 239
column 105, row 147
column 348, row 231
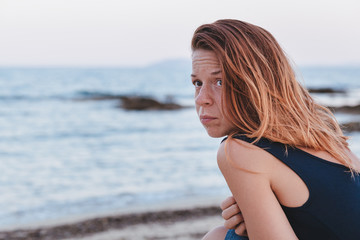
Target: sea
column 64, row 154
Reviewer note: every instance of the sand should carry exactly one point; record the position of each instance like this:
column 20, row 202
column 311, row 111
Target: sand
column 184, row 221
column 185, row 230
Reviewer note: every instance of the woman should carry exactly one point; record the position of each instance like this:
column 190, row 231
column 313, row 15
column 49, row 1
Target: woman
column 285, row 159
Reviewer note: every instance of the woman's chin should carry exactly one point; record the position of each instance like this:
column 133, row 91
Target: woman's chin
column 216, row 134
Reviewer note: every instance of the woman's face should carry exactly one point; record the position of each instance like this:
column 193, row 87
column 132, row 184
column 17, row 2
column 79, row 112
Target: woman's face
column 207, row 79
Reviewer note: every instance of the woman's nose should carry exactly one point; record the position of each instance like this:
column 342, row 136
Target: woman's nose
column 204, row 96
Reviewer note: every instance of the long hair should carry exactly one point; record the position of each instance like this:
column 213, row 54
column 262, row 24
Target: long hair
column 261, row 95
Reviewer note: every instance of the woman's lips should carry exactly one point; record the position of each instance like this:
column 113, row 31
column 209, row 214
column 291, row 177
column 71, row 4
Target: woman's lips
column 206, row 119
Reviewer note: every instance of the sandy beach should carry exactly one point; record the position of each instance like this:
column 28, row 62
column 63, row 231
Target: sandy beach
column 168, row 222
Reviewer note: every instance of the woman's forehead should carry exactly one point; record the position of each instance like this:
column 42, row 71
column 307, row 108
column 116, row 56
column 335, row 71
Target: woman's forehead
column 204, row 59
column 201, row 54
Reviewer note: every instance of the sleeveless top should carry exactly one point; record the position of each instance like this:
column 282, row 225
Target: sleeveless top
column 332, row 210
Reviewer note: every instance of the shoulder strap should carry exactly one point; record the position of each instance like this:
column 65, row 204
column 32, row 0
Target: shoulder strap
column 277, row 149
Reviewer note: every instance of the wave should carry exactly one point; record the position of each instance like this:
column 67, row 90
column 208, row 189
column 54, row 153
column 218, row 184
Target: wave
column 79, row 95
column 31, row 98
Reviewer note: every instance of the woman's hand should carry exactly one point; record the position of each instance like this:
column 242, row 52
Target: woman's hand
column 233, row 217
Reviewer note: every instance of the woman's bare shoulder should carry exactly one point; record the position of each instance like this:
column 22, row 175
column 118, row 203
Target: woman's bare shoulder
column 244, row 156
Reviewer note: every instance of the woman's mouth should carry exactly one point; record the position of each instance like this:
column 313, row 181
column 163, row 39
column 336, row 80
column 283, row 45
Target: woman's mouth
column 206, row 119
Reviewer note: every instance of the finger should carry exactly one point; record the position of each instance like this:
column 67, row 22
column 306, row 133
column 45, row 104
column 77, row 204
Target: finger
column 241, row 229
column 227, row 202
column 234, row 221
column 230, row 211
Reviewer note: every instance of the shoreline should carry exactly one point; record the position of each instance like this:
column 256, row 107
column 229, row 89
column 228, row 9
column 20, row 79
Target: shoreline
column 185, row 220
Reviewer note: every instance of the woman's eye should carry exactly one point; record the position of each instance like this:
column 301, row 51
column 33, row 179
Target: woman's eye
column 197, row 83
column 219, row 82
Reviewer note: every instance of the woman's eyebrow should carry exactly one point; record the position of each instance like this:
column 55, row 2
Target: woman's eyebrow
column 213, row 73
column 216, row 72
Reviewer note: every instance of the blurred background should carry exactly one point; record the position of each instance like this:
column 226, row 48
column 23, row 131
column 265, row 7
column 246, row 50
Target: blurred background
column 96, row 103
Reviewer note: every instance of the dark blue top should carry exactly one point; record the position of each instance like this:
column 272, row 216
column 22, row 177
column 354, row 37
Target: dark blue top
column 333, row 208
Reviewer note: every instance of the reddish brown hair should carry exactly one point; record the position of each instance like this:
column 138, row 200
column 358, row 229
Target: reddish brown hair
column 261, row 95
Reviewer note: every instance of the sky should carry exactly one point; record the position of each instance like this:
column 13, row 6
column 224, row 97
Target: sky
column 100, row 33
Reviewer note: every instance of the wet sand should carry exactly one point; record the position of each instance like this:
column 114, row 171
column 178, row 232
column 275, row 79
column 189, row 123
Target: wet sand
column 181, row 222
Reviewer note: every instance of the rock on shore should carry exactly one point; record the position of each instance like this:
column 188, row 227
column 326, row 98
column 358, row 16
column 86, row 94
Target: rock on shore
column 351, row 127
column 146, row 103
column 134, row 102
column 346, row 109
column 326, row 90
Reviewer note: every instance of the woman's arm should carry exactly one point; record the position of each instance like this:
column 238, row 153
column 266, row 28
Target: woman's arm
column 247, row 170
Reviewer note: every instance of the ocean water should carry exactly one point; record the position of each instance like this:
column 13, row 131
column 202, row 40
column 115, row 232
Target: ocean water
column 63, row 155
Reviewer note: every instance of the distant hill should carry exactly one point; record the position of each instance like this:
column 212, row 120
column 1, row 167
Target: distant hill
column 172, row 64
